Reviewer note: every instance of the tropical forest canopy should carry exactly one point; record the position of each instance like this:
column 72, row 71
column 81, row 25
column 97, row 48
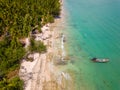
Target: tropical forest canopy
column 17, row 19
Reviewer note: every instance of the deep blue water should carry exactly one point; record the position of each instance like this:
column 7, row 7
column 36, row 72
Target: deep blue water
column 93, row 30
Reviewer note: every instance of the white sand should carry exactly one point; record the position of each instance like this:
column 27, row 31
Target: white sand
column 36, row 73
column 27, row 42
column 41, row 74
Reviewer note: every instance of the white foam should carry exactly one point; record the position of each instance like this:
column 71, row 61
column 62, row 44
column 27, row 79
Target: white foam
column 62, row 46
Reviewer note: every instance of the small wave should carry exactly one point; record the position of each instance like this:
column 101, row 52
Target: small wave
column 65, row 75
column 62, row 46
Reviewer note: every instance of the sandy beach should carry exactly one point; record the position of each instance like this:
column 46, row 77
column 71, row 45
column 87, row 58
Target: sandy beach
column 41, row 73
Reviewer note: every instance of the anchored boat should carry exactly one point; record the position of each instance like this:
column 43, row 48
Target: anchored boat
column 100, row 60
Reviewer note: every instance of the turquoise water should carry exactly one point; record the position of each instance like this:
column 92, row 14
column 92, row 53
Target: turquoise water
column 93, row 30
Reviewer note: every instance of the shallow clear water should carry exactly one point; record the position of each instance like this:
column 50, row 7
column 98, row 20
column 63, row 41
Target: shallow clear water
column 93, row 30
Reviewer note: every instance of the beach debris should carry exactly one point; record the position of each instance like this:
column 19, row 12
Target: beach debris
column 59, row 61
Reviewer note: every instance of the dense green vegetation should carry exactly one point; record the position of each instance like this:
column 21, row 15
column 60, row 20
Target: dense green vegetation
column 37, row 46
column 19, row 16
column 11, row 84
column 11, row 52
column 17, row 19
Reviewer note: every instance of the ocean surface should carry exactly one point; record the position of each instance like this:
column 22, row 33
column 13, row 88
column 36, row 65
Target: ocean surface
column 93, row 30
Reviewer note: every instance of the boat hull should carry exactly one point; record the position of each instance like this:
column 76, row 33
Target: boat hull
column 100, row 60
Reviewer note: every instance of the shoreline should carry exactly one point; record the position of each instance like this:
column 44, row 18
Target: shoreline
column 39, row 74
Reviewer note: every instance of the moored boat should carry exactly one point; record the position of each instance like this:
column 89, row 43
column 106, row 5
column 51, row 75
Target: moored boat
column 100, row 60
